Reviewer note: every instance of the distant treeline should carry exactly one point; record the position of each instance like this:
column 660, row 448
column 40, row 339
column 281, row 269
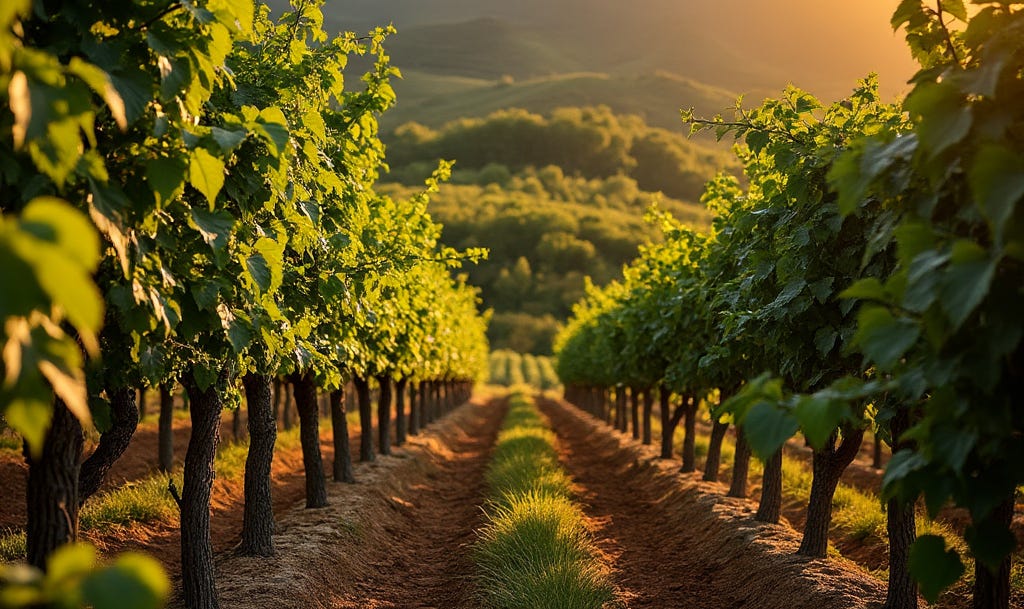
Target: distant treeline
column 590, row 142
column 546, row 232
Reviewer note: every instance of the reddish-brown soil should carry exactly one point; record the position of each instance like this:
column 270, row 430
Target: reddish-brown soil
column 138, row 460
column 398, row 539
column 675, row 541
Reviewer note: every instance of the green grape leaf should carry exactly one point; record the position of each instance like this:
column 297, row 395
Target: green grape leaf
column 883, row 338
column 767, row 428
column 819, row 417
column 68, row 563
column 259, row 270
column 206, row 174
column 215, row 227
column 166, row 175
column 947, row 119
column 933, row 566
column 53, row 220
column 966, row 281
column 228, row 139
column 133, row 580
column 990, row 543
column 868, row 288
column 996, row 178
column 30, row 416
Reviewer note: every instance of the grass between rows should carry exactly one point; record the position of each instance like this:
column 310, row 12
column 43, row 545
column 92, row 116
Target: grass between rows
column 535, row 551
column 147, row 500
column 856, row 515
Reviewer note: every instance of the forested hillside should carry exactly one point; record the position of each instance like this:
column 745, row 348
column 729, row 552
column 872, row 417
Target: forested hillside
column 555, row 199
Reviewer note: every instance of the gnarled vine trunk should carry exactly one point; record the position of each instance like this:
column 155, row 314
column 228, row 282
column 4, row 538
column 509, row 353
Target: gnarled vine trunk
column 648, row 400
column 634, row 410
column 197, row 571
column 415, row 408
column 165, row 428
column 992, row 587
column 52, row 493
column 400, row 422
column 770, row 506
column 304, row 390
column 258, row 511
column 342, row 452
column 384, row 414
column 901, row 526
column 620, row 409
column 365, row 419
column 687, row 410
column 740, row 466
column 124, row 418
column 828, row 465
column 714, row 458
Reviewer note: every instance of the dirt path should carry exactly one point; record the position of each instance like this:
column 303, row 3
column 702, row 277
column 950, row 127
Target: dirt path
column 429, row 563
column 397, row 539
column 674, row 541
column 653, row 564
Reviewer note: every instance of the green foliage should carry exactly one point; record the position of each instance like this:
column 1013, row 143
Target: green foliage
column 939, row 319
column 911, row 210
column 534, row 549
column 229, row 174
column 73, row 578
column 545, row 231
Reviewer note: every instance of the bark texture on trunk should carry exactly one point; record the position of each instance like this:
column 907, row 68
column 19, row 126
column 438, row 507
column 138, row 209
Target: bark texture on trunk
column 992, row 588
column 648, row 399
column 634, row 411
column 165, row 429
column 278, row 398
column 124, row 416
column 714, row 458
column 620, row 409
column 286, row 406
column 258, row 512
column 740, row 466
column 400, row 422
column 304, row 390
column 197, row 571
column 342, row 453
column 770, row 507
column 365, row 419
column 902, row 530
column 901, row 527
column 828, row 466
column 667, row 430
column 415, row 406
column 688, row 411
column 52, row 493
column 384, row 415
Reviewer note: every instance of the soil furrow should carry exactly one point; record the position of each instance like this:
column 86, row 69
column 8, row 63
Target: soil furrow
column 393, row 539
column 653, row 565
column 675, row 541
column 427, row 562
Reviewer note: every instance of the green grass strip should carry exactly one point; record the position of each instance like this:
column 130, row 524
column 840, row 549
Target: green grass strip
column 535, row 551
